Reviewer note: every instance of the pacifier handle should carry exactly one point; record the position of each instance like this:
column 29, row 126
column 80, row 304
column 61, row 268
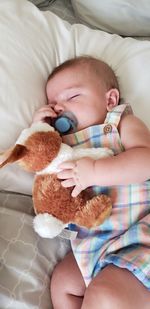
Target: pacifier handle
column 65, row 123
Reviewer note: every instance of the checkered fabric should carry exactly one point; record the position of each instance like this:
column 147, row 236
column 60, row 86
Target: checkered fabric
column 124, row 238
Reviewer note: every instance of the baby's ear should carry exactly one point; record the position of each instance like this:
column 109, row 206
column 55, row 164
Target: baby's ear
column 12, row 155
column 112, row 97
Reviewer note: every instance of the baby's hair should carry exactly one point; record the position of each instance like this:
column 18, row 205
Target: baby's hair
column 95, row 66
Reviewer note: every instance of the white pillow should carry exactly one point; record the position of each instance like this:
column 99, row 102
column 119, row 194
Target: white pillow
column 124, row 17
column 42, row 3
column 32, row 44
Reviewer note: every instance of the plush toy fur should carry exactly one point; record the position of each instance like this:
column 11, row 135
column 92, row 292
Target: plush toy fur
column 40, row 149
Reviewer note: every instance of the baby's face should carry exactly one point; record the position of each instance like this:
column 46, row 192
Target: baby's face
column 74, row 90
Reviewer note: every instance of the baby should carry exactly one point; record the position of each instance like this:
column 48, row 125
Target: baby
column 109, row 266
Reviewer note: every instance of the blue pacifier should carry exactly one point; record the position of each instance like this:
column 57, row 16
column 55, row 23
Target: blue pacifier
column 65, row 123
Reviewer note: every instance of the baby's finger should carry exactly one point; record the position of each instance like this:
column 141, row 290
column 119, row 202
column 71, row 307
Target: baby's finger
column 47, row 113
column 43, row 108
column 76, row 191
column 65, row 174
column 68, row 183
column 41, row 115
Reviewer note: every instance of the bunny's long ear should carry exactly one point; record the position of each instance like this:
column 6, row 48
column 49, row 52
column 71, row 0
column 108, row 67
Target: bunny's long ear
column 12, row 155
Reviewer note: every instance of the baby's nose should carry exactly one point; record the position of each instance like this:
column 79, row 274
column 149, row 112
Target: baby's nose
column 58, row 108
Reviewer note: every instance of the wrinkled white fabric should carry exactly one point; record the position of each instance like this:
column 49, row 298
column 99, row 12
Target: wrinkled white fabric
column 124, row 17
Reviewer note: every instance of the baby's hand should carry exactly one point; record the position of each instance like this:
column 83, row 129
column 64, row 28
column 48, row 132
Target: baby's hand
column 44, row 112
column 79, row 174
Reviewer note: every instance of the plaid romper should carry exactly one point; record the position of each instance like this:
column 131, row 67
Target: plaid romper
column 124, row 238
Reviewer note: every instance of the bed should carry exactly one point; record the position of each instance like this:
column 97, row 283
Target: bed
column 36, row 36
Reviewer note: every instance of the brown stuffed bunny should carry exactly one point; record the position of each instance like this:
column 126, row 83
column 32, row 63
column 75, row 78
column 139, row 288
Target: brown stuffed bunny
column 40, row 149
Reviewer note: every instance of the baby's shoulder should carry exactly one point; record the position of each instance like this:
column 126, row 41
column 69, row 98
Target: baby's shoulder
column 131, row 122
column 133, row 131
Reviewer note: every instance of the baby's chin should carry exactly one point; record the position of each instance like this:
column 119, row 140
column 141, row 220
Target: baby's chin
column 82, row 127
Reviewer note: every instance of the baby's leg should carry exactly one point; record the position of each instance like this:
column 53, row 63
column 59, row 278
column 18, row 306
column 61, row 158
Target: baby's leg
column 116, row 288
column 67, row 285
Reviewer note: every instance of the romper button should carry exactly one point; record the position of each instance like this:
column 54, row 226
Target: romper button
column 107, row 129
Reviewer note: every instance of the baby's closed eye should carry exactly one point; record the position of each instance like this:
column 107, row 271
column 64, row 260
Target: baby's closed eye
column 74, row 96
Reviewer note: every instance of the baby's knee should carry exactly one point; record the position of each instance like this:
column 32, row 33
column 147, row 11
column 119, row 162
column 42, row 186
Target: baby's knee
column 57, row 279
column 56, row 286
column 102, row 296
column 60, row 280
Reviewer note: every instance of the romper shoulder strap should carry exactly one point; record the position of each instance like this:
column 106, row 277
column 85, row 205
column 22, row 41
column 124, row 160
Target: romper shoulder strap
column 114, row 116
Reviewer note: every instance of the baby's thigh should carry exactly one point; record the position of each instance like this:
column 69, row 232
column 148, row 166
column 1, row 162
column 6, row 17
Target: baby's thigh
column 116, row 288
column 67, row 278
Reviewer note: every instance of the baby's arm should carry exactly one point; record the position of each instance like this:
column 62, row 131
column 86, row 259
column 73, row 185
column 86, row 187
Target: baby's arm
column 130, row 166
